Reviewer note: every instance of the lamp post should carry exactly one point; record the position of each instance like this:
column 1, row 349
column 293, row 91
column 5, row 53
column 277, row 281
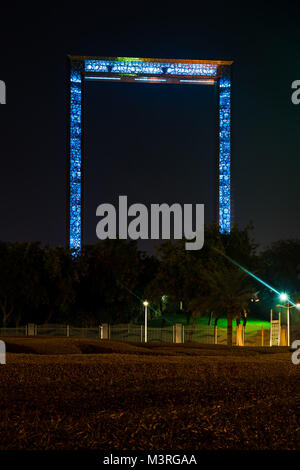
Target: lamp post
column 285, row 297
column 146, row 303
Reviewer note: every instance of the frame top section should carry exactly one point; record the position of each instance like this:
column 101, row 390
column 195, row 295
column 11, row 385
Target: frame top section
column 160, row 70
column 136, row 59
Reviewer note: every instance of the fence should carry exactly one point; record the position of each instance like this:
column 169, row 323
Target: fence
column 20, row 331
column 202, row 334
column 136, row 333
column 52, row 330
column 241, row 336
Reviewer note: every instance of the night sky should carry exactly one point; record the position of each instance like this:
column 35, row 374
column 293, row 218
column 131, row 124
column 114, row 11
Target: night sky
column 154, row 143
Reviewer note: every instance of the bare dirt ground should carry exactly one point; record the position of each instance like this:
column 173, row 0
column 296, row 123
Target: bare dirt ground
column 67, row 394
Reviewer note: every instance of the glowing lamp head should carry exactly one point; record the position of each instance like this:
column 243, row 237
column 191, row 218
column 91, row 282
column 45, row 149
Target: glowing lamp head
column 298, row 306
column 283, row 297
column 145, row 303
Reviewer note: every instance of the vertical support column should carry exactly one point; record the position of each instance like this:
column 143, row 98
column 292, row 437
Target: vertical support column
column 224, row 149
column 288, row 323
column 105, row 331
column 2, row 352
column 238, row 341
column 68, row 331
column 215, row 334
column 2, row 92
column 283, row 336
column 31, row 329
column 75, row 153
column 179, row 333
column 271, row 324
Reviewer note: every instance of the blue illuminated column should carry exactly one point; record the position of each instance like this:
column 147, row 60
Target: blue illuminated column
column 224, row 138
column 74, row 200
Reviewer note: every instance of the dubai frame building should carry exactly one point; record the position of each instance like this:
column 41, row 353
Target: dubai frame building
column 216, row 73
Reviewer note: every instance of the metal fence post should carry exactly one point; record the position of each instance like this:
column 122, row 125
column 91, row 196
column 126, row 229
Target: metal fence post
column 271, row 318
column 215, row 334
column 31, row 329
column 105, row 331
column 179, row 333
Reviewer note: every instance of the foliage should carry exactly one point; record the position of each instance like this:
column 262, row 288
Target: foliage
column 108, row 280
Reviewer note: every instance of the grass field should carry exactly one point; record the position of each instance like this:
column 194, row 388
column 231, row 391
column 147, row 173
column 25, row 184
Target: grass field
column 222, row 322
column 63, row 393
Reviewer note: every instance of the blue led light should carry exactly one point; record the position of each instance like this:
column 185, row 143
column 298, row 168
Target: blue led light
column 225, row 153
column 75, row 159
column 153, row 68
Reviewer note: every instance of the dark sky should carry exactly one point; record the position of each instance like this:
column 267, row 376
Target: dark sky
column 154, row 143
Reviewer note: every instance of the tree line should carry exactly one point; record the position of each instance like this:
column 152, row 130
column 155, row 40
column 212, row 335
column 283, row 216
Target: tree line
column 107, row 281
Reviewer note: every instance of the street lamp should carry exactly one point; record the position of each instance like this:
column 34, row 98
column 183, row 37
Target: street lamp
column 285, row 297
column 146, row 303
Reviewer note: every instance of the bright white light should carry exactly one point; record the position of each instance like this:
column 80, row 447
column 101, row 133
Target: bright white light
column 145, row 303
column 283, row 296
column 210, row 82
column 95, row 77
column 298, row 306
column 154, row 79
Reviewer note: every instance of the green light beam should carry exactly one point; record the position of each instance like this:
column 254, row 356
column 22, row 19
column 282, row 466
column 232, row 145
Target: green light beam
column 253, row 275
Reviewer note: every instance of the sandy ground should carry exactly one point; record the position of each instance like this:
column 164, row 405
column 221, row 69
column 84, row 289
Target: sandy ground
column 64, row 393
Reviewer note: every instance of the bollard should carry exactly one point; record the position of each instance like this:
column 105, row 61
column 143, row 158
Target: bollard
column 2, row 352
column 31, row 330
column 178, row 333
column 215, row 334
column 100, row 331
column 283, row 336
